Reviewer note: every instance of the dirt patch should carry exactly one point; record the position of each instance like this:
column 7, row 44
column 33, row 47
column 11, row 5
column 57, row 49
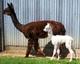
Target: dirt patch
column 22, row 51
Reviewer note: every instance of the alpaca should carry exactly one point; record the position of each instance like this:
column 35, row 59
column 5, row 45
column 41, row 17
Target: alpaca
column 33, row 30
column 59, row 39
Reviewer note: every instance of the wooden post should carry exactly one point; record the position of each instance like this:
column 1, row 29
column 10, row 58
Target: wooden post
column 1, row 27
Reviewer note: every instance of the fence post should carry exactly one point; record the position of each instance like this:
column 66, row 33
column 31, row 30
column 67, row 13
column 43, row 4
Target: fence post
column 1, row 27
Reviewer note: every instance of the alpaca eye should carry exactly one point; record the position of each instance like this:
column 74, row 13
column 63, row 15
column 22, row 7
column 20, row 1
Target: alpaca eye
column 47, row 28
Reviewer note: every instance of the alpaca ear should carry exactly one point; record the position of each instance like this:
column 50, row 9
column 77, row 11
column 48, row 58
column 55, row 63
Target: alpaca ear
column 11, row 4
column 8, row 4
column 12, row 7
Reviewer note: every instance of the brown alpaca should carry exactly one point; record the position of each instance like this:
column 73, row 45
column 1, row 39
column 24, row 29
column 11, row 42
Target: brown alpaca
column 34, row 30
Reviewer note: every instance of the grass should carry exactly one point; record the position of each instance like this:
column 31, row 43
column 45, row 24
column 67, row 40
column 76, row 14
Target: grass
column 35, row 60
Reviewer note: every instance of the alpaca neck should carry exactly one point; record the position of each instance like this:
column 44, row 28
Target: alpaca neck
column 16, row 22
column 50, row 33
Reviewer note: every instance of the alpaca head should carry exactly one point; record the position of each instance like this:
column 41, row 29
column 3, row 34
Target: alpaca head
column 9, row 10
column 48, row 28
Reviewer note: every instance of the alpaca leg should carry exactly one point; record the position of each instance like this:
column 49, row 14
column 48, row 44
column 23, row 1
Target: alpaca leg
column 37, row 48
column 71, row 53
column 30, row 44
column 54, row 52
column 58, row 52
column 70, row 50
column 74, row 51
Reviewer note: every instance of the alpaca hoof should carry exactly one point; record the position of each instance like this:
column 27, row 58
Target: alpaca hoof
column 39, row 53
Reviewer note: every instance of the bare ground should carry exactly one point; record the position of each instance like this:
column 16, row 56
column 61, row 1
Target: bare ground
column 21, row 52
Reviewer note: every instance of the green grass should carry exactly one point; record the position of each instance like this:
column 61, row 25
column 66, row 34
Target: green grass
column 35, row 60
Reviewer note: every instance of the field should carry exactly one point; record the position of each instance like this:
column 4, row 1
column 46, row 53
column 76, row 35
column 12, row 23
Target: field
column 34, row 60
